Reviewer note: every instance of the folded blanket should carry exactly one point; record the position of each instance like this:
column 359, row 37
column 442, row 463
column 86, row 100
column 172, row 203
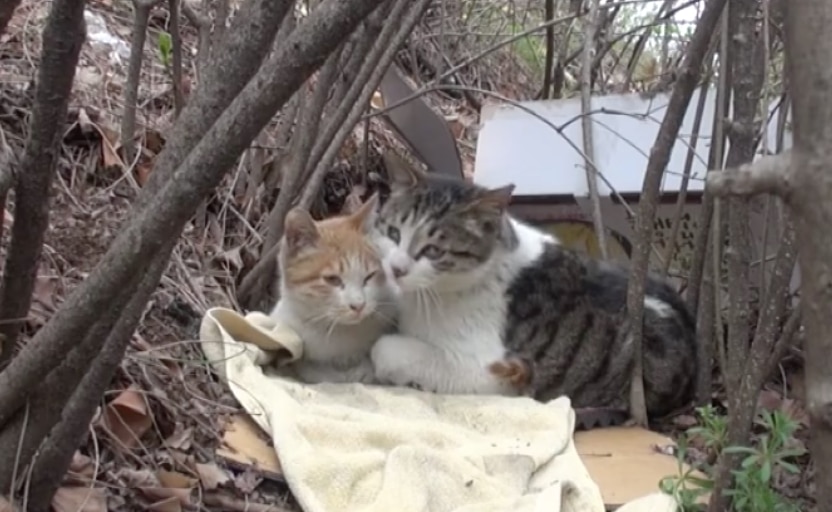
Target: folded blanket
column 355, row 447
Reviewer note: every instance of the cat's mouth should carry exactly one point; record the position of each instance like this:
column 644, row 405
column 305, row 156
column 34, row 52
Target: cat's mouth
column 351, row 317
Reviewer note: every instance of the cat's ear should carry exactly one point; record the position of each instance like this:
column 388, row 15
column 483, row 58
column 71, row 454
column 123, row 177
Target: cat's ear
column 494, row 199
column 401, row 173
column 299, row 229
column 365, row 216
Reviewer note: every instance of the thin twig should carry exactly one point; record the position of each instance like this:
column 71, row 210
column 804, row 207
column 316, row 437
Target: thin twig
column 590, row 28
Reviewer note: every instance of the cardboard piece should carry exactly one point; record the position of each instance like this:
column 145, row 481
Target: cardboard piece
column 626, row 462
column 245, row 444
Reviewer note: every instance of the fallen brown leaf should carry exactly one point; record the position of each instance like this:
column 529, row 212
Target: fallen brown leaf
column 84, row 122
column 164, row 495
column 153, row 141
column 180, row 439
column 137, row 477
column 79, row 499
column 175, row 479
column 127, row 418
column 143, row 170
column 109, row 148
column 248, row 480
column 171, row 504
column 81, row 469
column 212, row 476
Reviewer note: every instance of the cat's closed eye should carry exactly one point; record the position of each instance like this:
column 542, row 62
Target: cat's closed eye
column 370, row 276
column 333, row 280
column 393, row 233
column 432, row 252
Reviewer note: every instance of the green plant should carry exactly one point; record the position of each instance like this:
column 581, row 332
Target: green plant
column 165, row 48
column 772, row 451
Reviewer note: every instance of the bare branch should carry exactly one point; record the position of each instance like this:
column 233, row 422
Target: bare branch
column 808, row 44
column 176, row 42
column 63, row 36
column 203, row 25
column 548, row 66
column 769, row 174
column 337, row 128
column 51, row 394
column 226, row 72
column 304, row 139
column 371, row 78
column 745, row 364
column 167, row 210
column 659, row 157
column 134, row 71
column 590, row 28
column 56, row 453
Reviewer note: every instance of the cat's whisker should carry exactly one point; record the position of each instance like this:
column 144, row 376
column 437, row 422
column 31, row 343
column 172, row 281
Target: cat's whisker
column 423, row 296
column 331, row 328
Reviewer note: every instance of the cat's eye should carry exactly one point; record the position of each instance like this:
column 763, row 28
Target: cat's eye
column 393, row 233
column 333, row 280
column 370, row 276
column 432, row 252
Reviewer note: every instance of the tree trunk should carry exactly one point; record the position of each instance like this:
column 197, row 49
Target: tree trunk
column 803, row 178
column 808, row 45
column 62, row 39
column 648, row 202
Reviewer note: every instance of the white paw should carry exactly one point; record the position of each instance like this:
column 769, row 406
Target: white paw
column 390, row 356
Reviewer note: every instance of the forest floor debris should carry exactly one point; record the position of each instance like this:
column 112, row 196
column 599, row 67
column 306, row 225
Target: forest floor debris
column 153, row 444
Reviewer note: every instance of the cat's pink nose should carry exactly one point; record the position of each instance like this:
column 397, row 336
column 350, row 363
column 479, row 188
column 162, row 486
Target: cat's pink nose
column 398, row 272
column 357, row 307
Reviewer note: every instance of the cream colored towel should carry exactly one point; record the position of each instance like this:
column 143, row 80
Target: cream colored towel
column 352, row 447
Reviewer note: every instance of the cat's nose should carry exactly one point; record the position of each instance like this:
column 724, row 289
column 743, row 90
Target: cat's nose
column 357, row 307
column 398, row 272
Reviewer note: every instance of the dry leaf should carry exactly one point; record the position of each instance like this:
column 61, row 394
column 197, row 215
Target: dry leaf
column 180, row 439
column 173, row 491
column 175, row 479
column 212, row 476
column 45, row 291
column 79, row 499
column 127, row 418
column 143, row 170
column 137, row 477
column 109, row 148
column 171, row 504
column 84, row 122
column 377, row 101
column 81, row 469
column 153, row 141
column 232, row 257
column 247, row 481
column 162, row 495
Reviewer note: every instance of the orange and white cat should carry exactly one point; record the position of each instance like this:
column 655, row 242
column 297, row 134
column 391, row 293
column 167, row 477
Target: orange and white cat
column 334, row 293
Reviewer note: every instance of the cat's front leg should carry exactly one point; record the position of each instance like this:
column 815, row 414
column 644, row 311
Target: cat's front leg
column 408, row 362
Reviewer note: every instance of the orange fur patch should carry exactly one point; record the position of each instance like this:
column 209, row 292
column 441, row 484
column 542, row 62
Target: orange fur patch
column 512, row 370
column 339, row 241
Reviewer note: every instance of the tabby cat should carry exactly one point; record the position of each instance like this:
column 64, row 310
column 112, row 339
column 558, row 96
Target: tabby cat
column 334, row 293
column 479, row 290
